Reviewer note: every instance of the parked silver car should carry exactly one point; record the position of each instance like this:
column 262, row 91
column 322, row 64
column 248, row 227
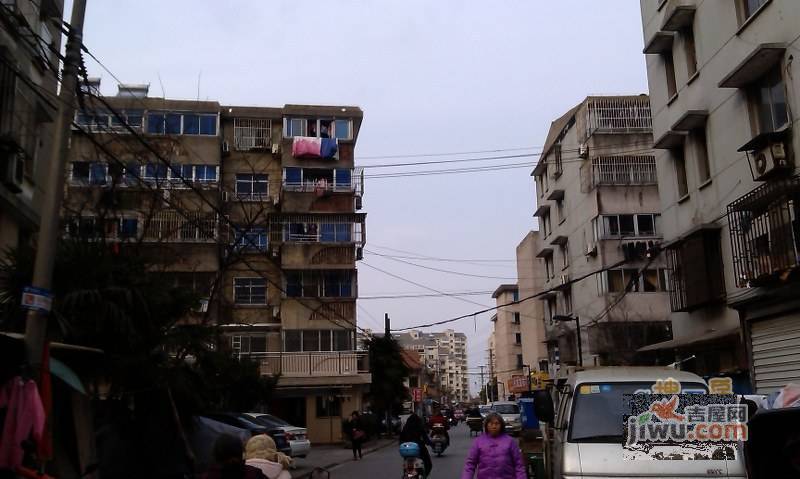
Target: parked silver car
column 297, row 436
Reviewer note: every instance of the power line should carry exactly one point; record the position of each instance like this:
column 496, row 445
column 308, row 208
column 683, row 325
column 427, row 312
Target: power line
column 420, row 256
column 425, row 155
column 512, row 303
column 459, row 273
column 423, row 295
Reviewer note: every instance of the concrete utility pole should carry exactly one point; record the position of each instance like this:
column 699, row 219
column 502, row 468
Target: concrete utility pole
column 386, row 323
column 36, row 321
column 483, row 388
column 492, row 381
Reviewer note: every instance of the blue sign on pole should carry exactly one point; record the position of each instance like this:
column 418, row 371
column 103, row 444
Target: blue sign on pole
column 37, row 299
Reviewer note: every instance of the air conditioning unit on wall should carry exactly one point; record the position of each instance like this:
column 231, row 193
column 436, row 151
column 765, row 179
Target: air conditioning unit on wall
column 769, row 160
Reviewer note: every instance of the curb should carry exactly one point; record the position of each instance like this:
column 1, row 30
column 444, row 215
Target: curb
column 339, row 463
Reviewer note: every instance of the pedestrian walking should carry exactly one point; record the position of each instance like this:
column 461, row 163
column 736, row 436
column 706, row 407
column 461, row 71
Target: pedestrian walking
column 357, row 434
column 494, row 454
column 229, row 461
column 262, row 453
column 414, row 431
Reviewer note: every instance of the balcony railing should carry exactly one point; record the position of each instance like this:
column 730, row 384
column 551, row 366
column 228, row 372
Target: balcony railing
column 618, row 115
column 327, row 185
column 171, row 225
column 309, row 228
column 315, row 364
column 765, row 232
column 624, row 170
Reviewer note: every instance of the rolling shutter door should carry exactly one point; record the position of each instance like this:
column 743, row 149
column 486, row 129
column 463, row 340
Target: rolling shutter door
column 776, row 353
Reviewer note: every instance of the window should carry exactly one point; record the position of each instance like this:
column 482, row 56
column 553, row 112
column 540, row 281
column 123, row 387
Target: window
column 251, row 134
column 295, row 127
column 249, row 344
column 154, row 172
column 205, row 173
column 669, row 71
column 336, row 232
column 560, row 209
column 515, row 295
column 633, row 225
column 292, row 341
column 177, row 123
column 690, row 50
column 567, row 301
column 750, row 7
column 128, row 228
column 549, row 269
column 649, row 281
column 519, row 360
column 341, row 129
column 517, row 338
column 328, row 406
column 698, row 138
column 249, row 291
column 329, row 284
column 564, row 255
column 695, row 271
column 546, row 224
column 679, row 159
column 251, row 187
column 516, row 318
column 253, row 238
column 769, row 99
column 558, row 163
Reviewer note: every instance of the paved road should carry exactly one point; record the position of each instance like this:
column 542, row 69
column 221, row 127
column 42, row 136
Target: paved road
column 386, row 463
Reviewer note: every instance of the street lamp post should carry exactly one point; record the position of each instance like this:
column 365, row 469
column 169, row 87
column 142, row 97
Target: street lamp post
column 563, row 318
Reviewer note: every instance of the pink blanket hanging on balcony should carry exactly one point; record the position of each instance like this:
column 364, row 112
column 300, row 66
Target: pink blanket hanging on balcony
column 25, row 417
column 311, row 147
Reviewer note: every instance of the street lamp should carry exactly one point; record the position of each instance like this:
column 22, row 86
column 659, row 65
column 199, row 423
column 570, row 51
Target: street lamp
column 564, row 318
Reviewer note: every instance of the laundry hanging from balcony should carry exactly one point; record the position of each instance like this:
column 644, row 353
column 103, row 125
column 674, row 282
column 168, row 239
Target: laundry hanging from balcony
column 310, row 147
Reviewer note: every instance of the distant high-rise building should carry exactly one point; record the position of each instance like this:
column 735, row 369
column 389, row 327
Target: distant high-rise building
column 445, row 354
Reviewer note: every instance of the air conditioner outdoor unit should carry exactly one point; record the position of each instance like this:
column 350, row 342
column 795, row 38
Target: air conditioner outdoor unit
column 276, row 148
column 591, row 249
column 583, row 151
column 12, row 170
column 769, row 159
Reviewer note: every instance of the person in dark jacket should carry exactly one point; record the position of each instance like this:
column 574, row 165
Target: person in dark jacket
column 357, row 434
column 414, row 431
column 229, row 458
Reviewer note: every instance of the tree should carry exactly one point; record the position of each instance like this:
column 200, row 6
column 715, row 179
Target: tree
column 388, row 372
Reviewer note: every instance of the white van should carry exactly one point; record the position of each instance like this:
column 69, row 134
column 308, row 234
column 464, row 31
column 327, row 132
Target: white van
column 586, row 433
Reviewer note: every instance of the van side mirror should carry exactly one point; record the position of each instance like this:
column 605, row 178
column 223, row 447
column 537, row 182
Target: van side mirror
column 543, row 405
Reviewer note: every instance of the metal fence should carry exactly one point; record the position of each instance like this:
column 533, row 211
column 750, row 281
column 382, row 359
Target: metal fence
column 624, row 170
column 344, row 363
column 618, row 115
column 250, row 134
column 765, row 232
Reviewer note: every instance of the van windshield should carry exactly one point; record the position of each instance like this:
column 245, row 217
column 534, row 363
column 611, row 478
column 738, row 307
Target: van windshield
column 506, row 408
column 598, row 409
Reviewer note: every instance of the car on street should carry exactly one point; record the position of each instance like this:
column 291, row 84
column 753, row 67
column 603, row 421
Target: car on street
column 485, row 409
column 509, row 411
column 255, row 428
column 296, row 436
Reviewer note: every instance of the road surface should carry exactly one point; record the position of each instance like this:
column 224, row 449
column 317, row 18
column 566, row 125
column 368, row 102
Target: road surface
column 386, row 463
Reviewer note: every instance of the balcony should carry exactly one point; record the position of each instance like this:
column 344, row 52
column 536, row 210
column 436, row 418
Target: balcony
column 618, row 115
column 181, row 226
column 624, row 171
column 346, row 366
column 309, row 228
column 765, row 239
column 322, row 181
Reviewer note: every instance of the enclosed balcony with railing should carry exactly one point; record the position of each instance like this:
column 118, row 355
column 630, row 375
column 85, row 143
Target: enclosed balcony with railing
column 315, row 364
column 310, row 228
column 618, row 115
column 624, row 170
column 765, row 233
column 323, row 180
column 181, row 226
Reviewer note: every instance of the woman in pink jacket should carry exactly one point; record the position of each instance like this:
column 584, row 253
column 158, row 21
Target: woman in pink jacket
column 494, row 454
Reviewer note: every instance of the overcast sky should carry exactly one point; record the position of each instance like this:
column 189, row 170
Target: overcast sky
column 432, row 76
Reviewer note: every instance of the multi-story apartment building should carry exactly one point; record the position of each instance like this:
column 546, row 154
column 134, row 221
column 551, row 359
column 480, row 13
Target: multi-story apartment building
column 445, row 355
column 254, row 209
column 598, row 209
column 529, row 279
column 723, row 87
column 507, row 335
column 28, row 67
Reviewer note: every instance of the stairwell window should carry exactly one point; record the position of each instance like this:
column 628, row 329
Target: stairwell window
column 700, row 142
column 679, row 162
column 669, row 71
column 517, row 338
column 516, row 318
column 250, row 291
column 630, row 226
column 748, row 8
column 690, row 50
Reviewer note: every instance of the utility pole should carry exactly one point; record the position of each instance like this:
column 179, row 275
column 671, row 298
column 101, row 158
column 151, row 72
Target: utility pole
column 386, row 323
column 483, row 387
column 491, row 375
column 388, row 335
column 36, row 321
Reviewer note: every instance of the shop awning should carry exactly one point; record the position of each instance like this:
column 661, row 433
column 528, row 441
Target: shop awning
column 689, row 341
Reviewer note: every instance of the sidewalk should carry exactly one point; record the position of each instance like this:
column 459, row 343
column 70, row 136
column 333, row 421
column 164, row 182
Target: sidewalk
column 328, row 456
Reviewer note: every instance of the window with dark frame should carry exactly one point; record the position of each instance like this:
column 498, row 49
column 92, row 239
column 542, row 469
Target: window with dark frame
column 328, row 406
column 669, row 71
column 252, row 291
column 768, row 98
column 698, row 138
column 679, row 161
column 690, row 50
column 516, row 318
column 517, row 338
